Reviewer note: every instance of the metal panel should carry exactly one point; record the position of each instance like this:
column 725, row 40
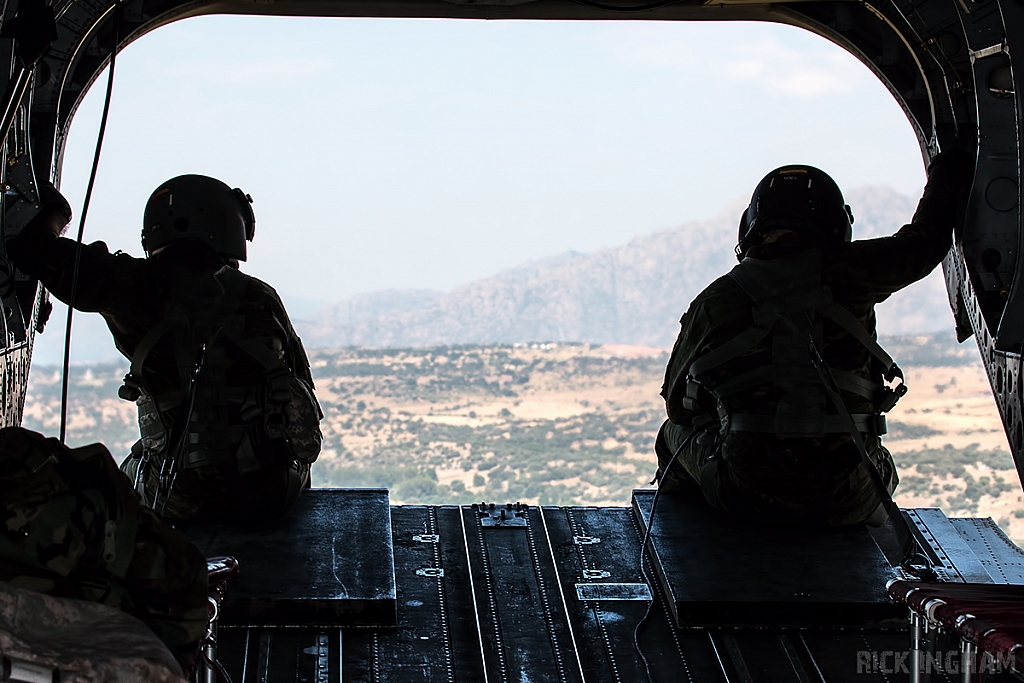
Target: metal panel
column 1000, row 556
column 605, row 630
column 949, row 545
column 525, row 632
column 481, row 609
column 328, row 562
column 723, row 572
column 613, row 591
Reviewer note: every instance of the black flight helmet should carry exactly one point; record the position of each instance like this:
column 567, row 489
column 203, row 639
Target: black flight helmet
column 800, row 198
column 197, row 207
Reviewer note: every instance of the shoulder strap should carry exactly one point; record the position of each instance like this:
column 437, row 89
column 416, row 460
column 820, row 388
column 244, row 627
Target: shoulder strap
column 733, row 348
column 155, row 334
column 277, row 371
column 789, row 291
column 849, row 322
column 763, row 282
column 235, row 283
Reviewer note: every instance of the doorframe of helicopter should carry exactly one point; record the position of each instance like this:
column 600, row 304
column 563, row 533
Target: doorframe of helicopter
column 928, row 54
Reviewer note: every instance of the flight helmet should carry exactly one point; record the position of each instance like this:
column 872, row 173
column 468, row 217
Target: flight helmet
column 197, row 207
column 800, row 198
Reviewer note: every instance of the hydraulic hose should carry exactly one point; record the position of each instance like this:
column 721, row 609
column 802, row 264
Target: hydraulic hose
column 643, row 552
column 81, row 223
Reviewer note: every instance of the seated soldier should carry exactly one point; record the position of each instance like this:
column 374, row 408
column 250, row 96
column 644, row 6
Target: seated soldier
column 774, row 390
column 229, row 422
column 73, row 528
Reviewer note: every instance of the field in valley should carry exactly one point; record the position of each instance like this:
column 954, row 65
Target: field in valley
column 567, row 423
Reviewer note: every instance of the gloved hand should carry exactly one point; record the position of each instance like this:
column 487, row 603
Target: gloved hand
column 956, row 164
column 50, row 196
column 55, row 214
column 951, row 174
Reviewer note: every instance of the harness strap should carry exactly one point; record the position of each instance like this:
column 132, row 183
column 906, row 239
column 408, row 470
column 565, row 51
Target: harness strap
column 869, row 423
column 855, row 384
column 848, row 321
column 747, row 380
column 733, row 348
column 277, row 371
column 155, row 334
column 765, row 374
column 899, row 523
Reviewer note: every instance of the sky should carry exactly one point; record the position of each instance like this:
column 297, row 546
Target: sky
column 395, row 154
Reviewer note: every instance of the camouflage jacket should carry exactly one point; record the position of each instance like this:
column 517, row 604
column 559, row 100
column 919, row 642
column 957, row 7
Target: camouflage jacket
column 133, row 295
column 180, row 294
column 765, row 474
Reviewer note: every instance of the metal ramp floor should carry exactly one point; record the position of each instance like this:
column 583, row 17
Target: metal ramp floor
column 544, row 594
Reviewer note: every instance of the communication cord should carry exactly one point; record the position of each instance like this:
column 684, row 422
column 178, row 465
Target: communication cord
column 81, row 223
column 643, row 551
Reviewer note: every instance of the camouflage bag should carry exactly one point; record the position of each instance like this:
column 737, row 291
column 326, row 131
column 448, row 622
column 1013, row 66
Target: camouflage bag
column 71, row 526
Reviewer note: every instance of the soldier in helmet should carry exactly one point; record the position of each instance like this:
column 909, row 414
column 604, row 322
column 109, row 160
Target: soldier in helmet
column 776, row 385
column 228, row 420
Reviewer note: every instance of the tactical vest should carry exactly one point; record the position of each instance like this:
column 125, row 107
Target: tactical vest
column 214, row 426
column 790, row 304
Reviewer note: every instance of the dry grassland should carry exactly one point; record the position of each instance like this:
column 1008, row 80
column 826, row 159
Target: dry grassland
column 953, row 407
column 559, row 423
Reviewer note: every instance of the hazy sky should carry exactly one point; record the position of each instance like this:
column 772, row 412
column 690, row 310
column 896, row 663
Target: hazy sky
column 428, row 153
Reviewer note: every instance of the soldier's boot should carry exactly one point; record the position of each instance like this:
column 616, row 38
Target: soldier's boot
column 675, row 475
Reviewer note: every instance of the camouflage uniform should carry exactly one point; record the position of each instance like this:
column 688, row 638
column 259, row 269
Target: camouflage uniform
column 137, row 295
column 810, row 480
column 72, row 527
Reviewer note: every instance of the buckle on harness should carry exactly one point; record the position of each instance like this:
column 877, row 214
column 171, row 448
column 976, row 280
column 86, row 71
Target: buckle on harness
column 894, row 373
column 131, row 390
column 879, row 425
column 690, row 401
column 890, row 395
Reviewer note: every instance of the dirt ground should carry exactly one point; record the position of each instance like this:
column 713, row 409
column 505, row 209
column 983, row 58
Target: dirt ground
column 575, row 421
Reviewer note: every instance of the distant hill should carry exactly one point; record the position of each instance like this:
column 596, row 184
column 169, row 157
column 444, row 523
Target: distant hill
column 630, row 294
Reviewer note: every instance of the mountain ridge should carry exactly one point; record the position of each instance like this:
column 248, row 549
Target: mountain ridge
column 633, row 293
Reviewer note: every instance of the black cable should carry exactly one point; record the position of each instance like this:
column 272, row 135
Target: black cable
column 643, row 552
column 221, row 673
column 224, row 676
column 81, row 223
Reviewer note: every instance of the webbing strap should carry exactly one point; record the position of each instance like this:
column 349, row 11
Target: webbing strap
column 176, row 321
column 142, row 351
column 899, row 522
column 855, row 384
column 765, row 374
column 277, row 371
column 848, row 321
column 733, row 348
column 743, row 381
column 868, row 423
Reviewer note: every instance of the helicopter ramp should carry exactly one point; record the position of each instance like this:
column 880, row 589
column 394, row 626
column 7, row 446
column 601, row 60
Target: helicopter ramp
column 525, row 593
